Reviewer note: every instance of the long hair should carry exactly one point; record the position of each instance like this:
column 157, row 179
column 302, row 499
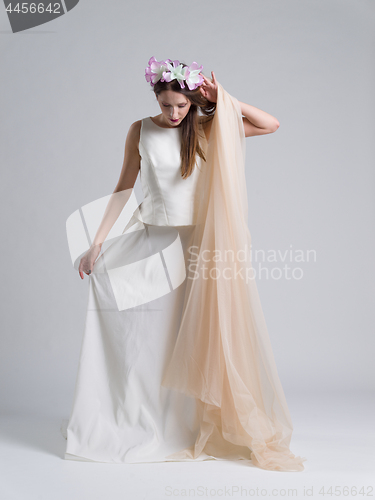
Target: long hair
column 190, row 146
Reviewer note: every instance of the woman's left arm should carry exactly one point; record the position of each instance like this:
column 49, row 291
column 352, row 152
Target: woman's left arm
column 256, row 121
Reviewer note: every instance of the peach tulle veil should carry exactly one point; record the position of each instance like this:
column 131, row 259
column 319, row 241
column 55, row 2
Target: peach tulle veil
column 223, row 355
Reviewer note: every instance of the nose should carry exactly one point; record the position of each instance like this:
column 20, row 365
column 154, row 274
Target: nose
column 174, row 114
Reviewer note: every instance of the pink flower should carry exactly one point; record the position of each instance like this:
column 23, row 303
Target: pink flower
column 192, row 76
column 154, row 71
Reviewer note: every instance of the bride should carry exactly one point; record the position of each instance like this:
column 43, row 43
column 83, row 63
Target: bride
column 175, row 366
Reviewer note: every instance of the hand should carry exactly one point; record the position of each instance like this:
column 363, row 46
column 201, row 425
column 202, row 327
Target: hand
column 87, row 262
column 209, row 88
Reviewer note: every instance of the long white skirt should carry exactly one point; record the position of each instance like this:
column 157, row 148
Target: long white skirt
column 121, row 413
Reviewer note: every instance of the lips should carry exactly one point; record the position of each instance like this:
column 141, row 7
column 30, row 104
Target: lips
column 174, row 121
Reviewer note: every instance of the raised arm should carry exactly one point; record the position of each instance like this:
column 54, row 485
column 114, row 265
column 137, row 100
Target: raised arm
column 118, row 199
column 255, row 121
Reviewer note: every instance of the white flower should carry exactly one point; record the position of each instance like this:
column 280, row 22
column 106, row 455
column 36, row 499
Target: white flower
column 175, row 72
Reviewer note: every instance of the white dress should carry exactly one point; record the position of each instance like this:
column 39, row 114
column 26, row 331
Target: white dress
column 176, row 360
column 121, row 413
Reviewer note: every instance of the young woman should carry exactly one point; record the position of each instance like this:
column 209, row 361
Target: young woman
column 176, row 362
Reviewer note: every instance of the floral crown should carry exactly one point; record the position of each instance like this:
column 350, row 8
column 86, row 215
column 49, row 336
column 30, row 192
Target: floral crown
column 169, row 70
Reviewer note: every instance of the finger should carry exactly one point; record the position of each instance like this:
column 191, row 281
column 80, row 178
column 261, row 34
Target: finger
column 213, row 78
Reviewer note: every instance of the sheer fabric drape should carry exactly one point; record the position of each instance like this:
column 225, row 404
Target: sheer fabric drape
column 223, row 355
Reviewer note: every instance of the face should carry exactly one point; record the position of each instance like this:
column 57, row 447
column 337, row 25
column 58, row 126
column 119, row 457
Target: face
column 174, row 107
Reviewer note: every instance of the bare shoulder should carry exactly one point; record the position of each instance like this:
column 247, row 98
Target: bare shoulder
column 134, row 133
column 135, row 130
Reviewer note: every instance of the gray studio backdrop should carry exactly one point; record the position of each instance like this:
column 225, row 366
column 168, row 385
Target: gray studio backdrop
column 70, row 90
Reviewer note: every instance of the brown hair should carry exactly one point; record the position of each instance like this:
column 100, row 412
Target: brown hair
column 190, row 146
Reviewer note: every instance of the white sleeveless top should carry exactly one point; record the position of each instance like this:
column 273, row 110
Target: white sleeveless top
column 169, row 200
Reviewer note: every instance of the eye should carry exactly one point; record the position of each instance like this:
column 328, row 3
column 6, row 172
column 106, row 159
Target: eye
column 182, row 106
column 166, row 105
